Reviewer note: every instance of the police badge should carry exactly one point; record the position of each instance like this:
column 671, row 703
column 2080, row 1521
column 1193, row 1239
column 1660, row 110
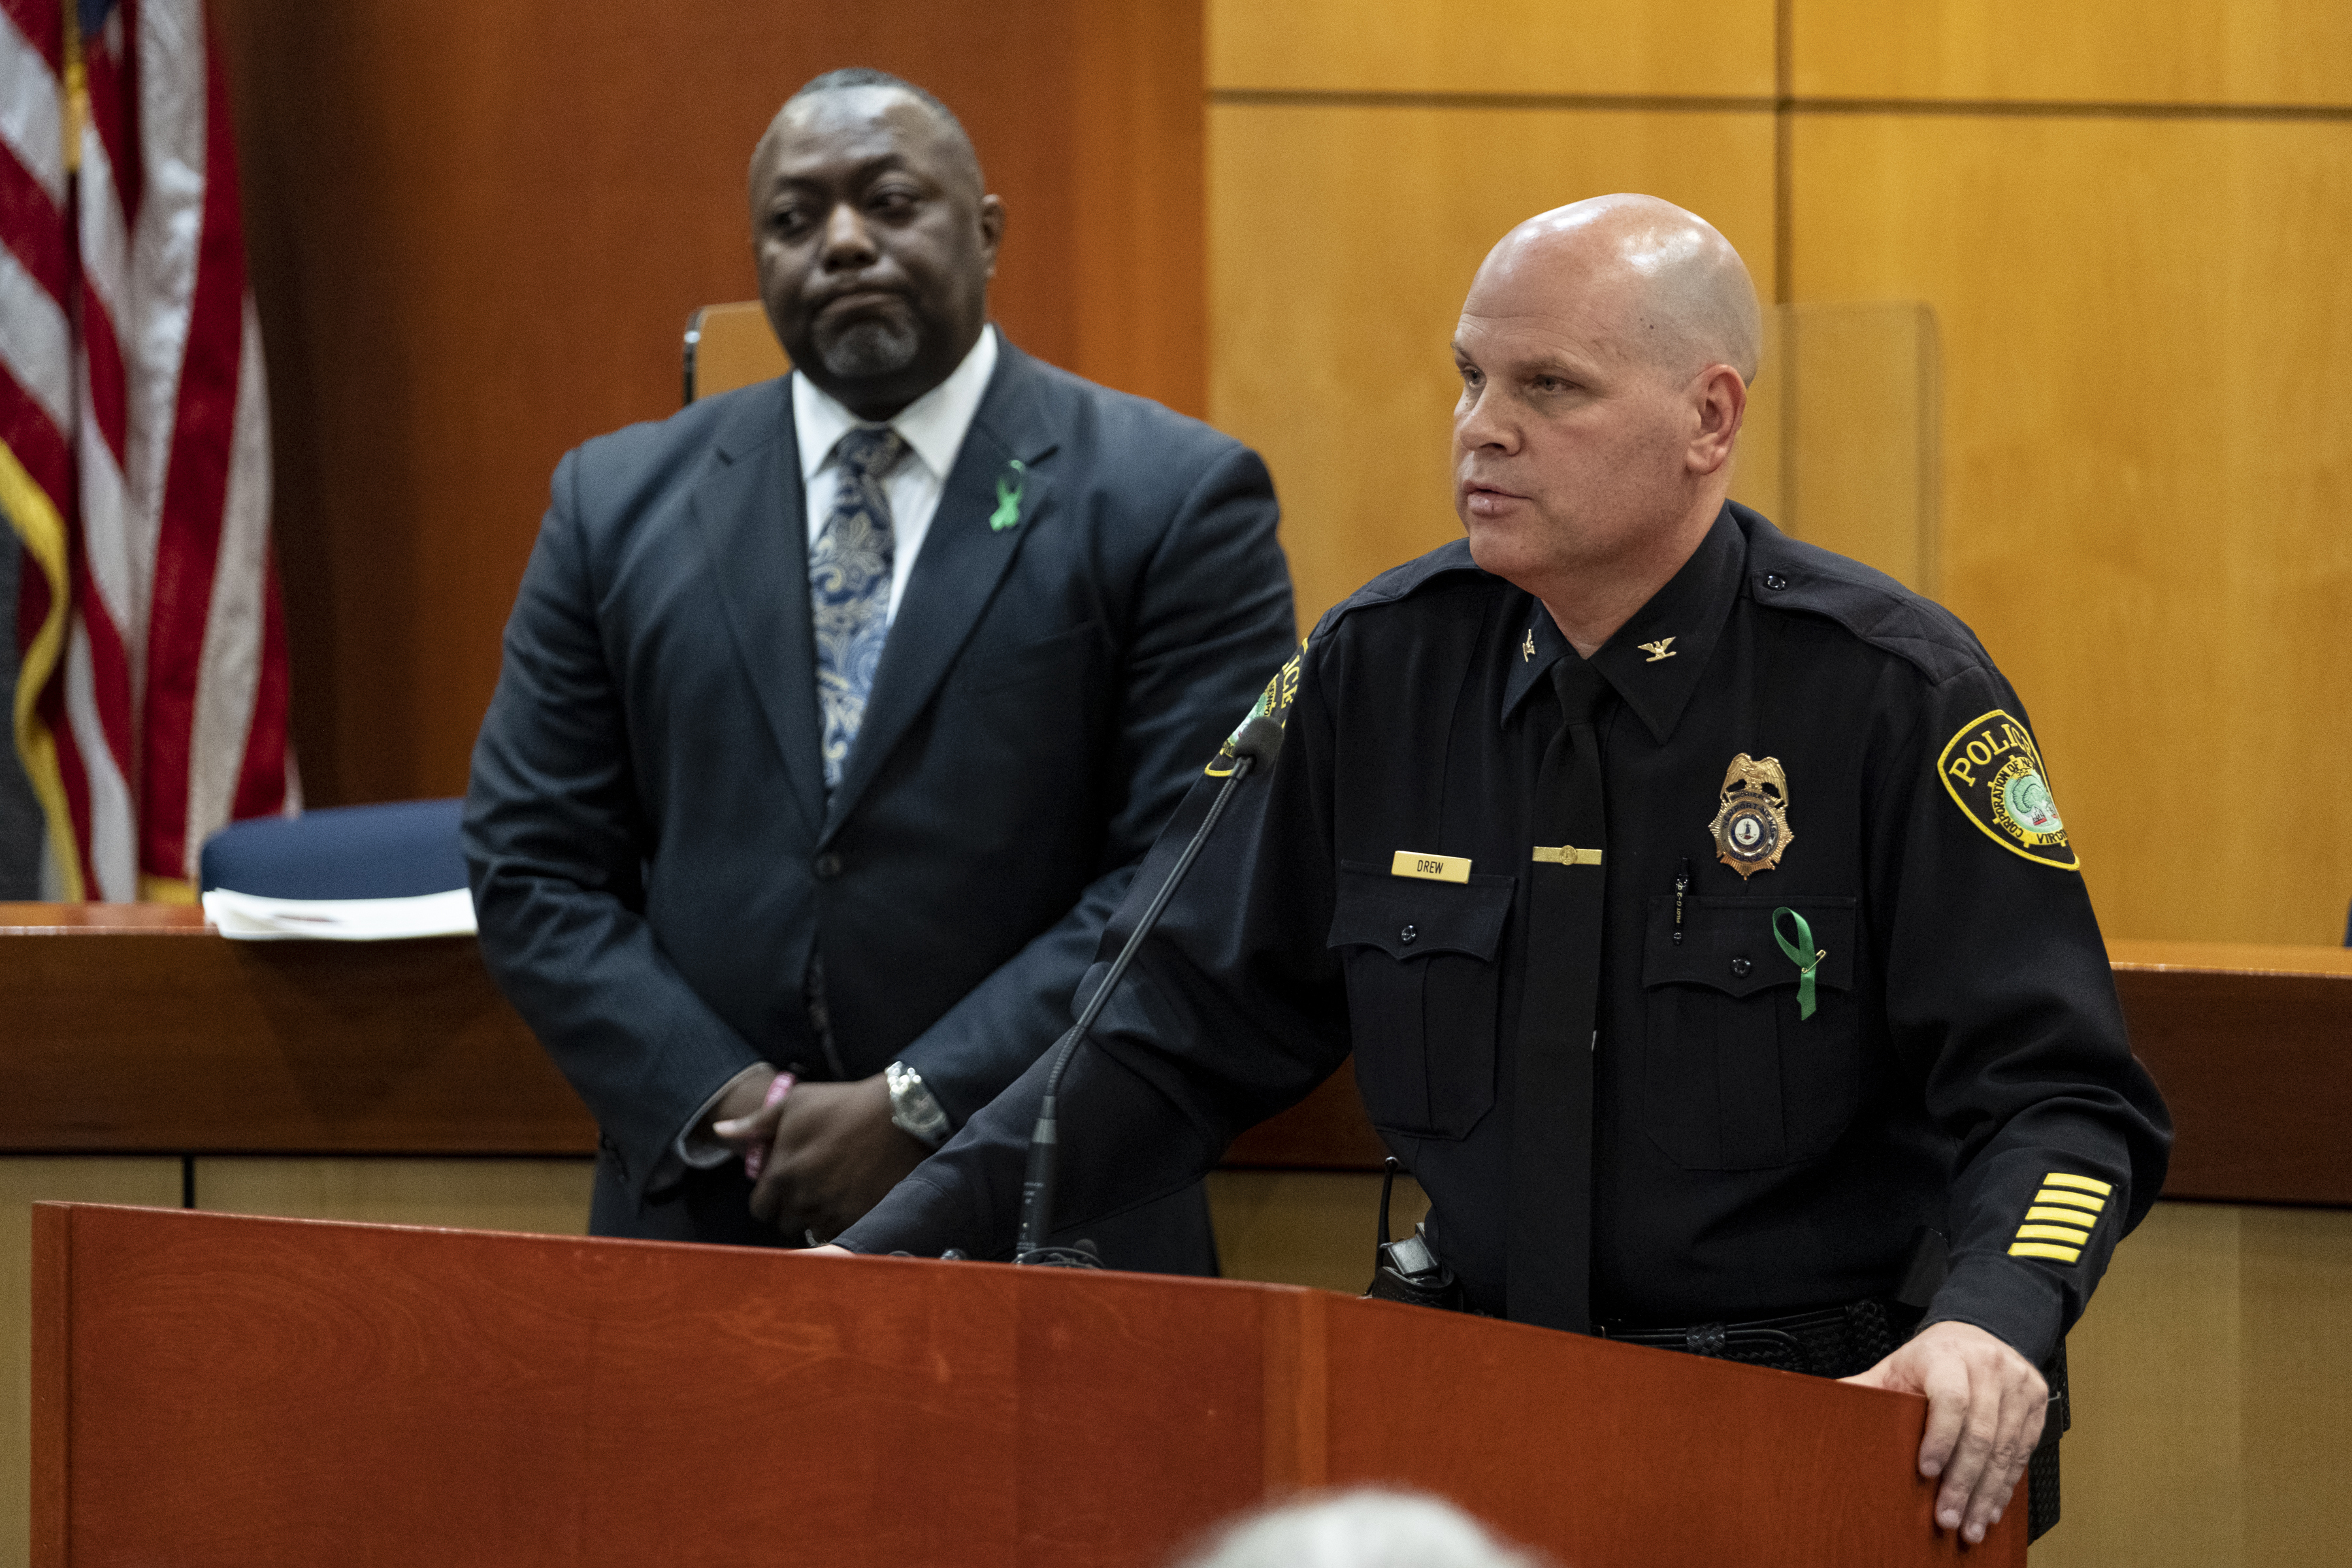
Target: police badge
column 1752, row 828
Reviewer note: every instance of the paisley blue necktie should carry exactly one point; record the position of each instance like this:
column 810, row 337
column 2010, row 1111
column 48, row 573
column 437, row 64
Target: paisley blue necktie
column 849, row 589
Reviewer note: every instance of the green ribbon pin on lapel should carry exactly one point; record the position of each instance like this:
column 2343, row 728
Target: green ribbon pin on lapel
column 1795, row 952
column 1008, row 500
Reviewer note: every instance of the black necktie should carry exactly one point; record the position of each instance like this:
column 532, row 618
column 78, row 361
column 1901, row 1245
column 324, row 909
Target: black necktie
column 1551, row 1250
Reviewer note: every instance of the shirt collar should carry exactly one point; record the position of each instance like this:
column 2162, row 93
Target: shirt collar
column 1655, row 660
column 934, row 425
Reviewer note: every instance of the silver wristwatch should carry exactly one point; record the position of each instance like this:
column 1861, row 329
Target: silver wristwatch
column 913, row 1108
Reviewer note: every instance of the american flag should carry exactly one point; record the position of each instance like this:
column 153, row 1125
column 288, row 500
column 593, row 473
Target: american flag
column 134, row 448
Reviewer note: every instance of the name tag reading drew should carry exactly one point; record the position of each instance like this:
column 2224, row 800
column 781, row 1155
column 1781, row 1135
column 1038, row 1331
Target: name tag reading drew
column 1431, row 868
column 1567, row 855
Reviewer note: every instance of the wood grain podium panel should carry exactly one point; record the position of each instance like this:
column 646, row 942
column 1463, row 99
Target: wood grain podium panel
column 217, row 1390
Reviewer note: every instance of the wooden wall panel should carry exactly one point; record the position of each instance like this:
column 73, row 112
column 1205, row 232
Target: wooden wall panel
column 545, row 1197
column 2145, row 511
column 24, row 1181
column 1492, row 45
column 2146, row 51
column 1342, row 239
column 1307, row 1227
column 475, row 232
column 2210, row 1409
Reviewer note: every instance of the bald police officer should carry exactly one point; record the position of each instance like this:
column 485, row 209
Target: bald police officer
column 1693, row 900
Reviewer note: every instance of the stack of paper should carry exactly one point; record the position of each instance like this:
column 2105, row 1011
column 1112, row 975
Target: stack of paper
column 248, row 918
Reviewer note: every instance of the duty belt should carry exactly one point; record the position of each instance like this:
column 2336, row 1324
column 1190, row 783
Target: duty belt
column 1835, row 1342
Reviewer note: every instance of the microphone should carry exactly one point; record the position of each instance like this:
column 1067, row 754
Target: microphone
column 1258, row 740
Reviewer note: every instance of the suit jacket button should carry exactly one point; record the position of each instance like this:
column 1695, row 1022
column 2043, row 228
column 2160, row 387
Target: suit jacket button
column 1773, row 580
column 828, row 867
column 1741, row 966
column 1408, row 933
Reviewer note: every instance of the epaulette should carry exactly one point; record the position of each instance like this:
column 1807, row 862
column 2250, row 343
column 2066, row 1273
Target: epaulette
column 1399, row 582
column 1866, row 602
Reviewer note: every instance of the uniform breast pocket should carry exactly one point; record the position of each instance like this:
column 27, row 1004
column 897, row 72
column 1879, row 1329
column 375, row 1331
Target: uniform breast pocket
column 1732, row 1077
column 1423, row 985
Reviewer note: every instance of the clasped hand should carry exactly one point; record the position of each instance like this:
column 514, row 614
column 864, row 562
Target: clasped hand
column 833, row 1150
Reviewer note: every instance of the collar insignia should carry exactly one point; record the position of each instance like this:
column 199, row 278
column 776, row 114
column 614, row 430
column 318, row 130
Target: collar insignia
column 1662, row 649
column 1751, row 826
column 1527, row 648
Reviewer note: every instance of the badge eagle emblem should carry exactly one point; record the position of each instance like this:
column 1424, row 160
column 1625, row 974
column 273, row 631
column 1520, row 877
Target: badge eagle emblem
column 1751, row 826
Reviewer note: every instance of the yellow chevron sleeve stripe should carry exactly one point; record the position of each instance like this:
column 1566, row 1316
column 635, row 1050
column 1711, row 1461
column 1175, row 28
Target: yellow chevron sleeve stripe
column 2061, row 1216
column 2044, row 1249
column 2072, row 1200
column 2053, row 1233
column 2080, row 1183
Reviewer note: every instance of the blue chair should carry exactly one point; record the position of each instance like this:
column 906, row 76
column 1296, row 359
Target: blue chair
column 403, row 851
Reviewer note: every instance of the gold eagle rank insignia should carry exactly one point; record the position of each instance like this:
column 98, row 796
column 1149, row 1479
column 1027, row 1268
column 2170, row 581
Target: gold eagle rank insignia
column 1751, row 826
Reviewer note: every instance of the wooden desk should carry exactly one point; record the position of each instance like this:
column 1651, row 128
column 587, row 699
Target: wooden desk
column 133, row 1028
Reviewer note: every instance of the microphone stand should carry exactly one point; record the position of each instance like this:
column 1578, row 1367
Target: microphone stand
column 1256, row 740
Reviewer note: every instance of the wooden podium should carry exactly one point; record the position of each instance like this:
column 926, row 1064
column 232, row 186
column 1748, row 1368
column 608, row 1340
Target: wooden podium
column 219, row 1390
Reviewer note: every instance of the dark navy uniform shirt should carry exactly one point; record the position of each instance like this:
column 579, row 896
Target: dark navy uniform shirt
column 1965, row 1068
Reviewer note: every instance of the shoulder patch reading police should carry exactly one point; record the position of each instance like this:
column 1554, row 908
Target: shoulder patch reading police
column 1273, row 703
column 1993, row 773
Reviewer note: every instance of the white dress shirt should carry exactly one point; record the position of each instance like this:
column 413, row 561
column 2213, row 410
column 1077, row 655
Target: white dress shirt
column 933, row 427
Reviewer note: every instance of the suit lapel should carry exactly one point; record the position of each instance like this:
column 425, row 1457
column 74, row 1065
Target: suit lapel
column 750, row 514
column 965, row 555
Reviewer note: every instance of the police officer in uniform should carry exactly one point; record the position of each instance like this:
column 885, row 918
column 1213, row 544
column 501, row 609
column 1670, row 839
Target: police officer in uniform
column 1693, row 900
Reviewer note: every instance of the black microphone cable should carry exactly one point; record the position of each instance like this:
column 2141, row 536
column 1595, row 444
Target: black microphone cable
column 1258, row 740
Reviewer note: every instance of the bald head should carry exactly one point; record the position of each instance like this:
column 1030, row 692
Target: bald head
column 1679, row 294
column 1604, row 350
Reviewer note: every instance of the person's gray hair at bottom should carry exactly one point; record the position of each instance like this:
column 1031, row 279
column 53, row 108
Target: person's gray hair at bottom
column 1367, row 1528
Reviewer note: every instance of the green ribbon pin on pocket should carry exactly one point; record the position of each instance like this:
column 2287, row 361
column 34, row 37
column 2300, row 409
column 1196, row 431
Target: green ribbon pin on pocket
column 1008, row 501
column 1795, row 952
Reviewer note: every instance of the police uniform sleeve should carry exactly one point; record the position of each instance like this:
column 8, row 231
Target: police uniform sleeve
column 1233, row 1009
column 2000, row 991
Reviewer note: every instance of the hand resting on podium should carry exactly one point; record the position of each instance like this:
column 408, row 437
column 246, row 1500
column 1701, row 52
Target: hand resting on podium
column 1985, row 1409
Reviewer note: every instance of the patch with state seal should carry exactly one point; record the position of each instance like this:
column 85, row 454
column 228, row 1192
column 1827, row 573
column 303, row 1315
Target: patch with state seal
column 1993, row 773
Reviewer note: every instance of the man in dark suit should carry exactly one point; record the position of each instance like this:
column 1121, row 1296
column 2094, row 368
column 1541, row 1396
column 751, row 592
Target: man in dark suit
column 836, row 712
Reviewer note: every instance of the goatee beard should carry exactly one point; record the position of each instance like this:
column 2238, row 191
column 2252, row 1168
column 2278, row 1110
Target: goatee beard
column 869, row 349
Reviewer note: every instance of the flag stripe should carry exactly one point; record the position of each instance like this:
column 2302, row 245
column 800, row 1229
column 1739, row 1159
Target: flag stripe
column 190, row 535
column 34, row 226
column 111, row 858
column 229, row 667
column 37, row 441
column 32, row 110
column 267, row 783
column 35, row 344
